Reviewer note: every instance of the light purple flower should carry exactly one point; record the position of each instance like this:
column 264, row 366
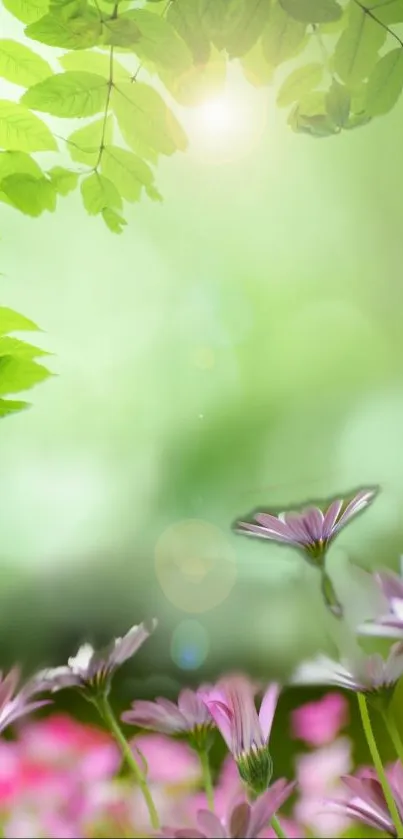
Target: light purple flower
column 189, row 716
column 364, row 674
column 231, row 704
column 366, row 802
column 246, row 820
column 94, row 669
column 15, row 704
column 390, row 623
column 312, row 529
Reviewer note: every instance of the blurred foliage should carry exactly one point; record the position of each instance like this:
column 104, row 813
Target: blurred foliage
column 349, row 70
column 18, row 368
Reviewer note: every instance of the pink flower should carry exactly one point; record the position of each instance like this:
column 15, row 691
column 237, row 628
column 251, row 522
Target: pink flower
column 189, row 716
column 318, row 777
column 390, row 623
column 364, row 674
column 94, row 669
column 231, row 704
column 318, row 723
column 311, row 529
column 16, row 704
column 169, row 761
column 366, row 802
column 245, row 819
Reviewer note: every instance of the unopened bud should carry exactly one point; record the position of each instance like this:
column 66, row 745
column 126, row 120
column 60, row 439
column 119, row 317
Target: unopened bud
column 256, row 768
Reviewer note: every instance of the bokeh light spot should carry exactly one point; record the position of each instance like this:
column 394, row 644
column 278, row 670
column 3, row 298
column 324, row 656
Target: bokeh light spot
column 189, row 645
column 195, row 565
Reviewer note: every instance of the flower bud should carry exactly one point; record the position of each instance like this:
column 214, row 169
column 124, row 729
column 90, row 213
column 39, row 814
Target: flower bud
column 256, row 768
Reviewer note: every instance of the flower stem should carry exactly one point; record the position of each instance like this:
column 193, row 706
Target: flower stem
column 108, row 716
column 277, row 828
column 369, row 734
column 393, row 733
column 208, row 786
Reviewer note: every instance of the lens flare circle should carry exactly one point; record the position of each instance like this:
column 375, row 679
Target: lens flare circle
column 195, row 565
column 189, row 645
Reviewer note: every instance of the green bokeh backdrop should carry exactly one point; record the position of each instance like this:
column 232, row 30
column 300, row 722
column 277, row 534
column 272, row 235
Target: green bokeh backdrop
column 240, row 345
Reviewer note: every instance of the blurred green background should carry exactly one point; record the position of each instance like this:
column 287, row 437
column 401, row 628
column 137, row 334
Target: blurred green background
column 240, row 345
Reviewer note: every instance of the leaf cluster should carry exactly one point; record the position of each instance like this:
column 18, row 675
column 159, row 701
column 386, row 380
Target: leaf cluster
column 337, row 65
column 19, row 369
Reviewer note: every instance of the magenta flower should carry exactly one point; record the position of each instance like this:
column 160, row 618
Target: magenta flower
column 231, row 704
column 246, row 820
column 318, row 723
column 94, row 670
column 366, row 802
column 366, row 674
column 14, row 705
column 190, row 716
column 390, row 623
column 312, row 529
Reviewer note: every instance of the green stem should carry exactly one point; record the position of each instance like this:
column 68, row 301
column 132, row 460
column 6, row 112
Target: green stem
column 108, row 716
column 369, row 734
column 393, row 733
column 208, row 786
column 277, row 828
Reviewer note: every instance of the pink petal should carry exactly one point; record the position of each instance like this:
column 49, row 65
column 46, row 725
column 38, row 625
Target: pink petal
column 331, row 517
column 263, row 810
column 246, row 527
column 313, row 521
column 211, row 826
column 268, row 709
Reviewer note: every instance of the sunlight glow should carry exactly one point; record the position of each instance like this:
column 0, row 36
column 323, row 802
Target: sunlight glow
column 226, row 126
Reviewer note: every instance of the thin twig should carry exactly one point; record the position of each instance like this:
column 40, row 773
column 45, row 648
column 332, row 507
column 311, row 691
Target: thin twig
column 368, row 11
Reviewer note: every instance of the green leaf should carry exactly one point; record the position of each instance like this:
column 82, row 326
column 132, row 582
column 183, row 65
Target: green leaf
column 26, row 10
column 338, row 103
column 98, row 193
column 385, row 83
column 317, row 125
column 71, row 33
column 11, row 321
column 13, row 346
column 121, row 32
column 28, row 194
column 127, row 171
column 84, row 144
column 312, row 11
column 9, row 406
column 21, row 130
column 113, row 220
column 253, row 16
column 18, row 374
column 91, row 61
column 63, row 180
column 388, row 11
column 142, row 113
column 357, row 48
column 70, row 94
column 21, row 65
column 159, row 42
column 255, row 66
column 18, row 161
column 201, row 82
column 298, row 83
column 219, row 17
column 283, row 38
column 185, row 17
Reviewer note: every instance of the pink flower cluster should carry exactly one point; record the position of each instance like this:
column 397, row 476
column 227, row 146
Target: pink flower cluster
column 64, row 779
column 59, row 779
